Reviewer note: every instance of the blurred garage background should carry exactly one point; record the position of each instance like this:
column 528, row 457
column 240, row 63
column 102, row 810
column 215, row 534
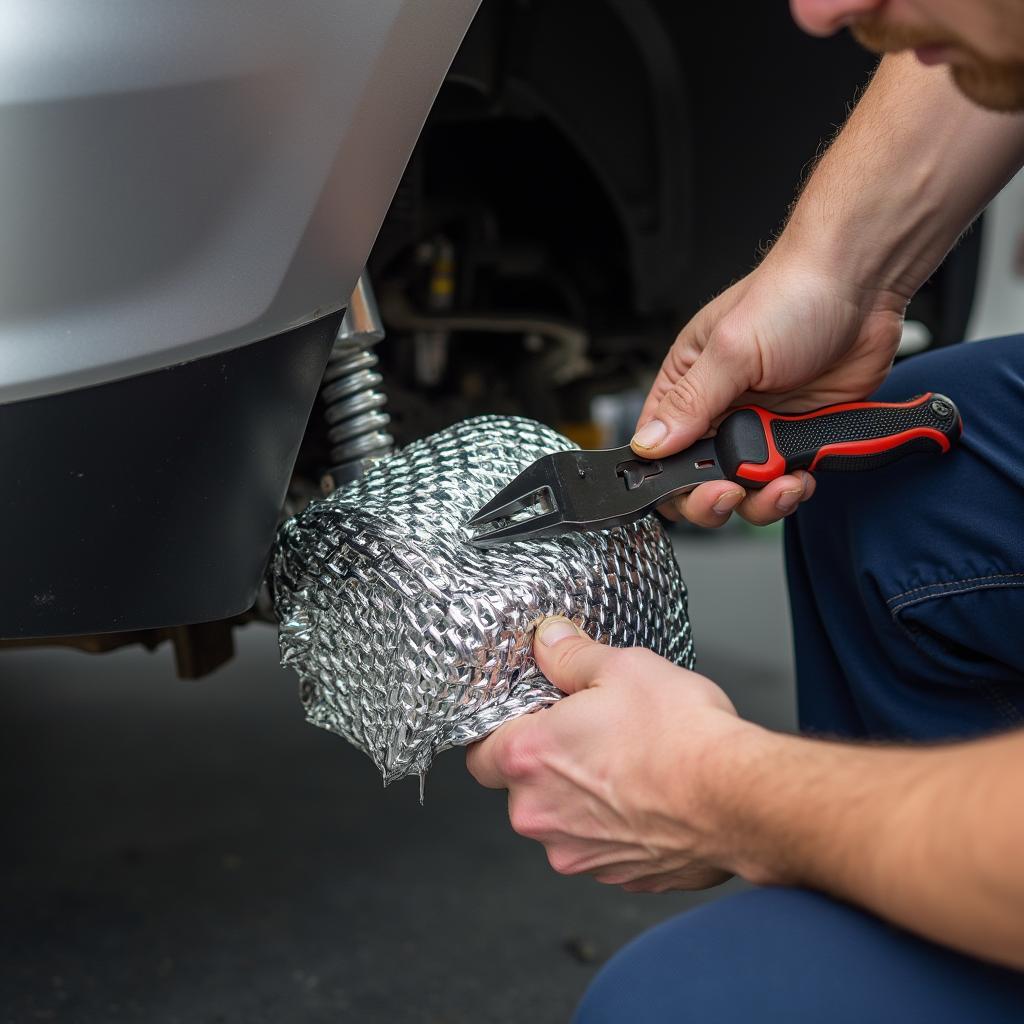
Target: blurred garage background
column 185, row 851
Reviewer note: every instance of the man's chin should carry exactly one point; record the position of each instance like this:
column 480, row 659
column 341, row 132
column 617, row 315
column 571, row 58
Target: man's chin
column 994, row 87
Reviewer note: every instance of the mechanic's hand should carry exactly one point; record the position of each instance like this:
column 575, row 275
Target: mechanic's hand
column 788, row 337
column 609, row 778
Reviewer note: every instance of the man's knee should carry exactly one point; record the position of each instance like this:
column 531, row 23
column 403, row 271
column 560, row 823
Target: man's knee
column 791, row 955
column 915, row 572
column 719, row 962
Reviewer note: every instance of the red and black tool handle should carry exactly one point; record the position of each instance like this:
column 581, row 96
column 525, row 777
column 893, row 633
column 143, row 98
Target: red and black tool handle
column 755, row 445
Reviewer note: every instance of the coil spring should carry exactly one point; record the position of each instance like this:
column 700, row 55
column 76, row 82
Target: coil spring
column 353, row 404
column 356, row 424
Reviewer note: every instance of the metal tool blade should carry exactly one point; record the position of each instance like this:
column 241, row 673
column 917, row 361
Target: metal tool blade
column 591, row 490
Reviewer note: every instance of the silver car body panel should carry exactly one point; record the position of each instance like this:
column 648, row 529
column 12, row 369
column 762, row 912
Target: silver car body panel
column 179, row 179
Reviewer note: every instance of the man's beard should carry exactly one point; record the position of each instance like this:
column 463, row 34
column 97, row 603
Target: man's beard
column 990, row 84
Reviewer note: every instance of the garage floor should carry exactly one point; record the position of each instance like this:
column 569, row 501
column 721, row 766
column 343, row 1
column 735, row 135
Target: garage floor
column 194, row 852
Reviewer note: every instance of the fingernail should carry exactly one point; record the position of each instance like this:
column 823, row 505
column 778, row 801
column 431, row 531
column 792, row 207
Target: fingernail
column 727, row 502
column 550, row 631
column 650, row 434
column 788, row 500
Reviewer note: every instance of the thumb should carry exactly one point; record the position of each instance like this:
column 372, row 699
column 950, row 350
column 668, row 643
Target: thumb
column 690, row 404
column 567, row 656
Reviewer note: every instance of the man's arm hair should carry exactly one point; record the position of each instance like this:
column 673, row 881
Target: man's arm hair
column 930, row 838
column 914, row 165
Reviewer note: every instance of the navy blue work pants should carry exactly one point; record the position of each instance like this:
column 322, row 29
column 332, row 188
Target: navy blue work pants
column 907, row 593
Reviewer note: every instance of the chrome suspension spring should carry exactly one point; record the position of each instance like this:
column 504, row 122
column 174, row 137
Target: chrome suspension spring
column 357, row 426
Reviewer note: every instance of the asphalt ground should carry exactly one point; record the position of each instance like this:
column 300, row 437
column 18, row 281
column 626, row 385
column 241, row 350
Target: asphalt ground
column 194, row 852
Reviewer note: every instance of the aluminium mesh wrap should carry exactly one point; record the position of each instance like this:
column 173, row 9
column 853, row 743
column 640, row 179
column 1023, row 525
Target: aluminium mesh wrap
column 407, row 640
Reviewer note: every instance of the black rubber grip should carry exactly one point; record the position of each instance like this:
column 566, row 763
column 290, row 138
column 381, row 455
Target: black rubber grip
column 754, row 446
column 800, row 440
column 858, row 463
column 740, row 438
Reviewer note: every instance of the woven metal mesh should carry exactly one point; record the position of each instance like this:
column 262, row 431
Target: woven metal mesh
column 407, row 640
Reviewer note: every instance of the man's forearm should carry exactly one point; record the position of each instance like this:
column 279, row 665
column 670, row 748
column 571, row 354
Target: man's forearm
column 914, row 165
column 929, row 838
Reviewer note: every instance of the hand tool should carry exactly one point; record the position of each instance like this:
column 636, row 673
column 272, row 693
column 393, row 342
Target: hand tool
column 596, row 490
